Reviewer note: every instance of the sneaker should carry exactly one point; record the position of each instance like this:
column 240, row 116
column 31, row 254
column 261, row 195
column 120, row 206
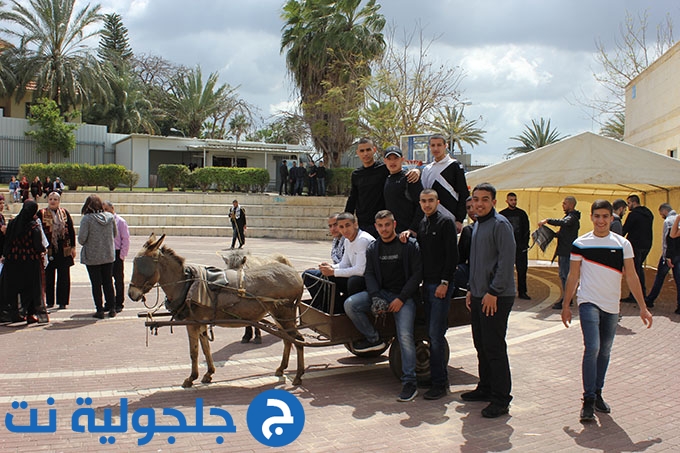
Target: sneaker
column 494, row 410
column 43, row 318
column 600, row 404
column 99, row 315
column 368, row 346
column 475, row 395
column 557, row 306
column 629, row 300
column 31, row 319
column 408, row 392
column 62, row 307
column 436, row 392
column 524, row 296
column 588, row 410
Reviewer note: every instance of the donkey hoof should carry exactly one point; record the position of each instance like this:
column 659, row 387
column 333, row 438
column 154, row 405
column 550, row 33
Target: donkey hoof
column 245, row 339
column 278, row 373
column 297, row 381
column 207, row 379
column 257, row 340
column 187, row 383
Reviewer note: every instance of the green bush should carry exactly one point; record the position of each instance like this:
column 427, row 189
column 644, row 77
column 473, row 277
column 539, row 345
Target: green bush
column 131, row 179
column 110, row 175
column 172, row 174
column 231, row 179
column 339, row 180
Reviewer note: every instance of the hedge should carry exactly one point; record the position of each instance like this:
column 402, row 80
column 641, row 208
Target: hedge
column 339, row 180
column 75, row 175
column 229, row 179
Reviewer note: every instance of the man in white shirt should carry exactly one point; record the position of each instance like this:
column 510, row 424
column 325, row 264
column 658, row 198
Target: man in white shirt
column 447, row 177
column 348, row 274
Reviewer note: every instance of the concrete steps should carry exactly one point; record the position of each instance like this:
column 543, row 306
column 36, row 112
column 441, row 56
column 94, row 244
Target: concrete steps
column 205, row 214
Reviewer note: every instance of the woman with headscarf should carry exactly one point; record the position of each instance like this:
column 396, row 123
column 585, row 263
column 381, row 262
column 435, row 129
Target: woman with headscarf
column 96, row 235
column 22, row 252
column 24, row 188
column 61, row 251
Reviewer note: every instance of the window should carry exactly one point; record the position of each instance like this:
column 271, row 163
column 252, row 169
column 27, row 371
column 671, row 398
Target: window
column 673, row 153
column 633, row 92
column 227, row 162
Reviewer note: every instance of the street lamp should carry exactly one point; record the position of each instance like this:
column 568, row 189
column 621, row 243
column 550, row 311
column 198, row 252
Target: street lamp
column 172, row 129
column 462, row 117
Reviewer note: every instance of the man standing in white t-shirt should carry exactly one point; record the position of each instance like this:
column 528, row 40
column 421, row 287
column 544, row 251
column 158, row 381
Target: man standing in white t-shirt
column 598, row 259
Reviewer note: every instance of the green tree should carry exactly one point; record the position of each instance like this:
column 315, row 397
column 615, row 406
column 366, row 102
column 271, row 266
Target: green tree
column 451, row 123
column 191, row 101
column 53, row 134
column 52, row 53
column 535, row 136
column 114, row 46
column 238, row 125
column 614, row 127
column 406, row 89
column 289, row 128
column 329, row 46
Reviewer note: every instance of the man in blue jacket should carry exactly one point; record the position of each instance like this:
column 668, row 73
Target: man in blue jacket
column 393, row 274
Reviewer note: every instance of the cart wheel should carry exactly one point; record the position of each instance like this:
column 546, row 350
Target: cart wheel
column 369, row 354
column 422, row 359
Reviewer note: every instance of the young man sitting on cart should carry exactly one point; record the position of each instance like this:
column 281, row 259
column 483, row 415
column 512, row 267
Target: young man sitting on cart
column 393, row 275
column 348, row 274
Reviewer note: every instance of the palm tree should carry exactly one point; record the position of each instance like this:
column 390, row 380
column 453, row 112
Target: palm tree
column 535, row 136
column 451, row 123
column 614, row 127
column 52, row 54
column 238, row 125
column 191, row 102
column 329, row 47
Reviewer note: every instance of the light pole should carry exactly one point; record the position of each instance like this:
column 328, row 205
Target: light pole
column 462, row 118
column 172, row 129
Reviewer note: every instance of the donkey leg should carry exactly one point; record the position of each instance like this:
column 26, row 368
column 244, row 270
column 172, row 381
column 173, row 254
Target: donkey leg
column 284, row 358
column 205, row 346
column 248, row 334
column 258, row 336
column 193, row 332
column 300, row 351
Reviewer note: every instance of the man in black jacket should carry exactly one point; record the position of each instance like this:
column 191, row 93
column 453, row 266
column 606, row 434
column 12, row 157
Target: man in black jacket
column 401, row 196
column 568, row 233
column 393, row 274
column 519, row 220
column 638, row 230
column 283, row 175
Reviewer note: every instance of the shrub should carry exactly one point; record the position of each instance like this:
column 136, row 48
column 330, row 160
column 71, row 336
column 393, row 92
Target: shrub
column 339, row 180
column 131, row 179
column 172, row 174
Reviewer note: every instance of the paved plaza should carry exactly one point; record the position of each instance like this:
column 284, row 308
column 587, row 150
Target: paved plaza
column 350, row 403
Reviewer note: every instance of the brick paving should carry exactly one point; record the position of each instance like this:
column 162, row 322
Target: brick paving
column 349, row 402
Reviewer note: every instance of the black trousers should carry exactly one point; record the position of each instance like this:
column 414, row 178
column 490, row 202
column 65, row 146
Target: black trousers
column 119, row 280
column 521, row 266
column 237, row 233
column 102, row 280
column 60, row 269
column 283, row 187
column 488, row 336
column 638, row 260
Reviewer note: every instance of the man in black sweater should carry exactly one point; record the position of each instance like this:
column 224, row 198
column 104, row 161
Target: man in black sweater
column 283, row 175
column 437, row 240
column 519, row 220
column 638, row 230
column 401, row 196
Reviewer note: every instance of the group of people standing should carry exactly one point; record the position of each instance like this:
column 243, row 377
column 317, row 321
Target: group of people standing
column 292, row 181
column 39, row 248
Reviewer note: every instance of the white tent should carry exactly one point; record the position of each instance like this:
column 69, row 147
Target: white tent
column 585, row 163
column 588, row 167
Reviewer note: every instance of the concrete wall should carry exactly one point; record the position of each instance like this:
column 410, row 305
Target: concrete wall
column 653, row 106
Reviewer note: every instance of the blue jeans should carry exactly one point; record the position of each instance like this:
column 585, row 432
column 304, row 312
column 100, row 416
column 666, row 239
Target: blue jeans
column 598, row 329
column 662, row 271
column 564, row 263
column 437, row 316
column 321, row 187
column 358, row 309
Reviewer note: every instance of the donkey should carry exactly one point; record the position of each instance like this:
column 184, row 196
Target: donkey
column 239, row 260
column 271, row 289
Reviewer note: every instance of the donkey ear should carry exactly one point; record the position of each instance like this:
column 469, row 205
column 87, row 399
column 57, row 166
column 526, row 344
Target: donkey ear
column 153, row 244
column 149, row 242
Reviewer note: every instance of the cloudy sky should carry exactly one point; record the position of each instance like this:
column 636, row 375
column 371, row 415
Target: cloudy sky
column 522, row 59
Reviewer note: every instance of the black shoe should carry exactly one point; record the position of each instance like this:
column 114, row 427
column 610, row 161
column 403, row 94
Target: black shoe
column 368, row 346
column 677, row 311
column 43, row 318
column 524, row 296
column 600, row 404
column 119, row 309
column 649, row 304
column 436, row 392
column 588, row 410
column 49, row 305
column 494, row 410
column 99, row 315
column 475, row 395
column 112, row 313
column 62, row 307
column 628, row 300
column 557, row 306
column 31, row 319
column 408, row 392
